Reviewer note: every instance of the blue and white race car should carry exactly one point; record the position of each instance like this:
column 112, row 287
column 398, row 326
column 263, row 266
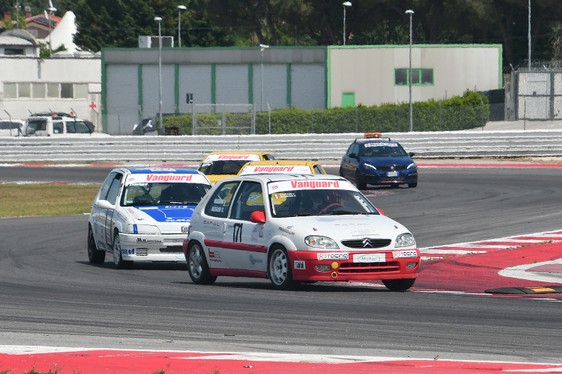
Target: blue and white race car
column 143, row 214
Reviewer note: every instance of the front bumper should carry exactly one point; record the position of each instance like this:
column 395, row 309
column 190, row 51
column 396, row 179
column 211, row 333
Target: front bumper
column 383, row 177
column 152, row 248
column 354, row 265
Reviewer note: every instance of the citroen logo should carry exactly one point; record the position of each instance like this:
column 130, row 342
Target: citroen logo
column 367, row 243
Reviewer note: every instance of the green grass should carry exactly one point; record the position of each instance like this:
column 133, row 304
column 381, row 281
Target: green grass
column 24, row 200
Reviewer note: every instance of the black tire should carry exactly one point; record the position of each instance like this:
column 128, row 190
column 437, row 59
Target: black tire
column 359, row 181
column 413, row 185
column 95, row 256
column 118, row 261
column 399, row 285
column 279, row 269
column 197, row 265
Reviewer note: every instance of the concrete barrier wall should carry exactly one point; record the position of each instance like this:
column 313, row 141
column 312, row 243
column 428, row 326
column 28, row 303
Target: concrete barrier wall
column 426, row 145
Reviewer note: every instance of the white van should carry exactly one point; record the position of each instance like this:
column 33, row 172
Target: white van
column 53, row 126
column 11, row 127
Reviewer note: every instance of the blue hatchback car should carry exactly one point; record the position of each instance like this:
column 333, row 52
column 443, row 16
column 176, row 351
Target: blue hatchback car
column 376, row 160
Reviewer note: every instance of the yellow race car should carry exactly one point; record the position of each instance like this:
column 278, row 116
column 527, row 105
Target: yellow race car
column 220, row 165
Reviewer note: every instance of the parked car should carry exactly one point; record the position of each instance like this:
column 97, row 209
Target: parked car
column 12, row 127
column 143, row 214
column 379, row 161
column 283, row 167
column 297, row 228
column 53, row 126
column 220, row 165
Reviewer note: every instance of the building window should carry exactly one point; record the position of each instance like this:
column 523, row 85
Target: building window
column 14, row 52
column 24, row 90
column 53, row 90
column 38, row 90
column 80, row 91
column 401, row 77
column 10, row 90
column 66, row 91
column 418, row 77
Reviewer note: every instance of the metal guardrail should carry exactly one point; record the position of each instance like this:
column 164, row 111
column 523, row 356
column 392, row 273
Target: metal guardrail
column 191, row 149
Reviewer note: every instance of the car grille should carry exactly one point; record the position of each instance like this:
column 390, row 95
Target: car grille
column 391, row 168
column 369, row 267
column 172, row 249
column 366, row 243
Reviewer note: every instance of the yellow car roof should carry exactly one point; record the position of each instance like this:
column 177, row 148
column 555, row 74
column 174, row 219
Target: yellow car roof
column 238, row 155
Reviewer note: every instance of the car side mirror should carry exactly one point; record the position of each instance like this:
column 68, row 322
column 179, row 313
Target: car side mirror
column 257, row 216
column 104, row 204
column 411, row 154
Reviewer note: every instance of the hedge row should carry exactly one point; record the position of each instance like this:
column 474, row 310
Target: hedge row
column 457, row 113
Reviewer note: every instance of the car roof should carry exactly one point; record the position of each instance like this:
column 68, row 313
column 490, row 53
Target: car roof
column 242, row 153
column 284, row 177
column 283, row 162
column 155, row 170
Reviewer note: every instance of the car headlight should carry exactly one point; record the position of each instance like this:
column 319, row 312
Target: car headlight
column 145, row 229
column 369, row 166
column 405, row 240
column 411, row 166
column 317, row 241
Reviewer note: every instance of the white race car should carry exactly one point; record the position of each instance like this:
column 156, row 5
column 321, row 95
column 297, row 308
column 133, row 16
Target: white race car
column 143, row 214
column 297, row 228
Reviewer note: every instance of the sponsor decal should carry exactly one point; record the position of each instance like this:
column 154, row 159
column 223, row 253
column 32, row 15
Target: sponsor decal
column 140, row 179
column 372, row 257
column 333, row 256
column 404, row 254
column 222, row 157
column 375, row 144
column 315, row 184
column 299, row 265
column 286, row 230
column 310, row 185
column 149, row 241
column 214, row 255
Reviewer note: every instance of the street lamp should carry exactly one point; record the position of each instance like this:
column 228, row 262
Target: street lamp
column 410, row 12
column 159, row 20
column 262, row 48
column 529, row 35
column 52, row 10
column 180, row 8
column 345, row 5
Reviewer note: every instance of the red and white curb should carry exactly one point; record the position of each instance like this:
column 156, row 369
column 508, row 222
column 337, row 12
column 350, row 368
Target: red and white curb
column 61, row 360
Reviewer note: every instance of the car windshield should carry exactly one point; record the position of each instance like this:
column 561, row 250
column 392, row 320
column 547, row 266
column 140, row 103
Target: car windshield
column 153, row 194
column 227, row 167
column 318, row 202
column 382, row 150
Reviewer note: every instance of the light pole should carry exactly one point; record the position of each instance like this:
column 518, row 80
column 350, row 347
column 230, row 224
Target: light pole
column 159, row 20
column 52, row 10
column 180, row 8
column 529, row 36
column 345, row 5
column 262, row 48
column 410, row 12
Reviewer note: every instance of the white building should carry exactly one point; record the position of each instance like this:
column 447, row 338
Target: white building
column 69, row 81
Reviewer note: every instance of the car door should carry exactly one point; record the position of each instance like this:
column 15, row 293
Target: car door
column 106, row 214
column 246, row 250
column 214, row 225
column 349, row 162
